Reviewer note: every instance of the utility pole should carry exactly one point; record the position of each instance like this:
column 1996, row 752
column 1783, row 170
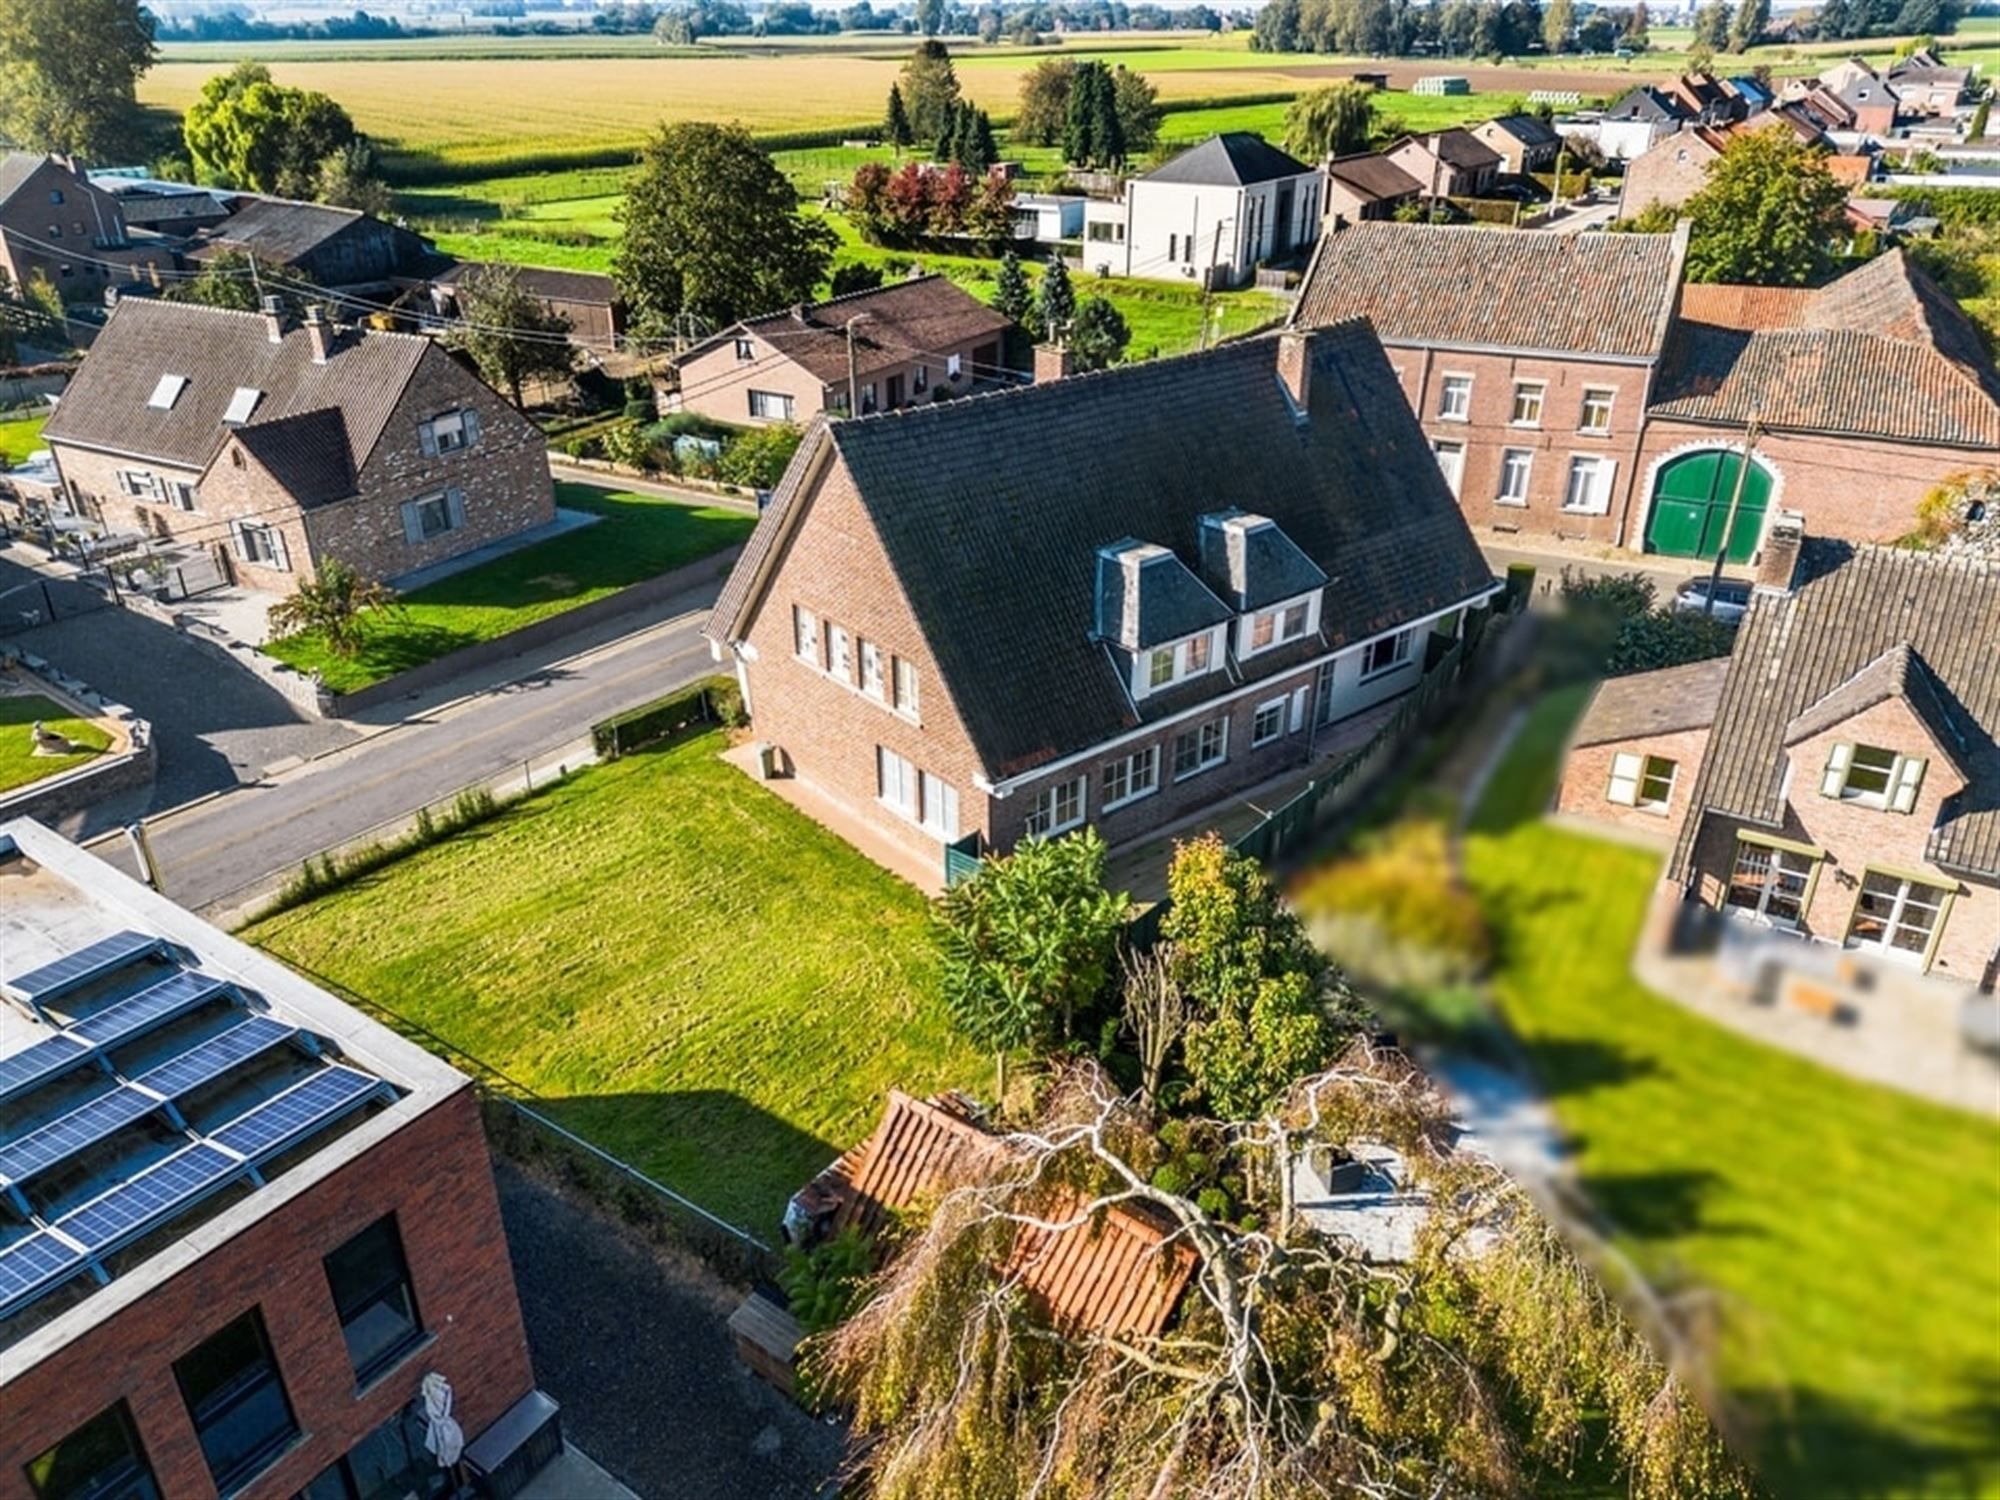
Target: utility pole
column 853, row 379
column 1208, row 281
column 1735, row 501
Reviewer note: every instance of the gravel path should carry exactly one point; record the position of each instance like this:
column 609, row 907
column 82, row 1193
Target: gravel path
column 635, row 1348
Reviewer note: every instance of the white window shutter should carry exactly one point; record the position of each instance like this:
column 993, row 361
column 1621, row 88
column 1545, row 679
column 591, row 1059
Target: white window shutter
column 1298, row 710
column 427, row 439
column 1624, row 788
column 281, row 557
column 471, row 418
column 413, row 526
column 236, row 542
column 454, row 507
column 1909, row 780
column 1836, row 770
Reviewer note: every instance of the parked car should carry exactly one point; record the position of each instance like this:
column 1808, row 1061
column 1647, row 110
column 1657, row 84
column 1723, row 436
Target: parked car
column 1732, row 598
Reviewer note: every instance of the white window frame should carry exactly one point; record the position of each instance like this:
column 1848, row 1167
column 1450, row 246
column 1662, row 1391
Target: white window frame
column 1277, row 708
column 450, row 433
column 746, row 350
column 1047, row 808
column 1454, row 397
column 1139, row 778
column 938, row 805
column 1597, row 492
column 872, row 685
column 1905, row 777
column 1387, row 653
column 1200, row 734
column 1191, row 656
column 1454, row 470
column 1634, row 774
column 839, row 654
column 181, row 495
column 1508, row 467
column 954, row 365
column 1534, row 396
column 1609, row 403
column 1772, row 881
column 805, row 636
column 903, row 676
column 770, row 406
column 1901, row 900
column 1307, row 608
column 140, row 484
column 896, row 782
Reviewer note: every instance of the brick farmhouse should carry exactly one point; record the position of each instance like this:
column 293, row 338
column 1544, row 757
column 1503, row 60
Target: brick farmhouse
column 1113, row 599
column 1837, row 777
column 57, row 227
column 914, row 341
column 243, row 1222
column 1572, row 387
column 281, row 447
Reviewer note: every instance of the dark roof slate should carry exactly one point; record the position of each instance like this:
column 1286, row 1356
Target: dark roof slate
column 1373, row 174
column 1646, row 704
column 276, row 229
column 1157, row 600
column 552, row 286
column 1236, row 158
column 1606, row 294
column 992, row 510
column 904, row 320
column 308, row 454
column 1833, row 642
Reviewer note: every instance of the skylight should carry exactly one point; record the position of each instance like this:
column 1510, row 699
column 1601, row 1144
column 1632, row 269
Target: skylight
column 167, row 392
column 241, row 405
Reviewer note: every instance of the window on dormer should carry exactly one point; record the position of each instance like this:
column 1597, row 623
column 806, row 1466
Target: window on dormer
column 1274, row 627
column 1167, row 665
column 1873, row 777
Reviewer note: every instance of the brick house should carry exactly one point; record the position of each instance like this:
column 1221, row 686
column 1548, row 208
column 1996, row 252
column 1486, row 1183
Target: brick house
column 1525, row 143
column 1671, row 170
column 243, row 1221
column 55, row 224
column 914, row 342
column 1635, row 752
column 1086, row 601
column 335, row 247
column 1366, row 185
column 1574, row 388
column 1449, row 163
column 592, row 303
column 213, row 429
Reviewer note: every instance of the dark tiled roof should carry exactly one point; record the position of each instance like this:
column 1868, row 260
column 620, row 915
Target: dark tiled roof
column 275, row 229
column 1375, row 175
column 1607, row 294
column 1152, row 598
column 1646, row 704
column 1646, row 102
column 1250, row 562
column 992, row 509
column 551, row 286
column 1528, row 130
column 16, row 167
column 1835, row 640
column 905, row 320
column 218, row 351
column 1235, row 158
column 308, row 454
column 1455, row 147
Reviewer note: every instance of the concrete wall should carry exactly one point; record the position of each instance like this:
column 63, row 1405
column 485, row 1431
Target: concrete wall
column 57, row 797
column 435, row 1177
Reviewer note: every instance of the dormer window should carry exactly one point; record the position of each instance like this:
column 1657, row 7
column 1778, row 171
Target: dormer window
column 1274, row 627
column 1873, row 777
column 1167, row 665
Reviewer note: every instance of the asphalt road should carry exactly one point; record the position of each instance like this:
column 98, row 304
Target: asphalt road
column 228, row 844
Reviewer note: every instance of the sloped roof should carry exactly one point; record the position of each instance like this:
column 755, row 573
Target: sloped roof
column 1882, row 352
column 991, row 511
column 1646, row 704
column 275, row 229
column 1119, row 1274
column 16, row 167
column 308, row 454
column 1899, row 672
column 903, row 319
column 551, row 286
column 1833, row 643
column 1373, row 174
column 1236, row 158
column 1471, row 287
column 1727, row 305
column 218, row 350
column 1456, row 147
column 1527, row 130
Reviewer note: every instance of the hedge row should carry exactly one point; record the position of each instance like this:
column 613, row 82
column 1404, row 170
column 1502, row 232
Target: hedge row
column 421, row 169
column 715, row 700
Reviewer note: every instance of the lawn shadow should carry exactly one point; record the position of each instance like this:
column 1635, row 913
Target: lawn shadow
column 1664, row 1205
column 1577, row 1065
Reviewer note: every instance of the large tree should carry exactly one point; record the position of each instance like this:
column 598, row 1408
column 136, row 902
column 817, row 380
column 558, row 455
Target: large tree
column 1012, row 296
column 930, row 89
column 1044, row 106
column 1137, row 102
column 1330, row 121
column 1711, row 25
column 1093, row 135
column 1559, row 25
column 352, row 178
column 69, row 71
column 1055, row 301
column 1768, row 214
column 247, row 131
column 712, row 229
column 1098, row 337
column 1752, row 17
column 510, row 333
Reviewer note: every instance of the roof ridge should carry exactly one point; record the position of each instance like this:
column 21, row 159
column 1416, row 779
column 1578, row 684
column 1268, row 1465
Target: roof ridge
column 853, row 296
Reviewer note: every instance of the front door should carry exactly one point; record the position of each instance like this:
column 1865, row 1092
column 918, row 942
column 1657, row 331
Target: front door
column 1281, row 236
column 895, row 391
column 1691, row 499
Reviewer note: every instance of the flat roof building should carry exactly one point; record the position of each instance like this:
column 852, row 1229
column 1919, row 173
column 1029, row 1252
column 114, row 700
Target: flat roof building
column 240, row 1221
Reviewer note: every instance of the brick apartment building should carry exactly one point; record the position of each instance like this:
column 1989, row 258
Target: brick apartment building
column 1572, row 386
column 913, row 342
column 1112, row 599
column 240, row 1222
column 285, row 446
column 55, row 225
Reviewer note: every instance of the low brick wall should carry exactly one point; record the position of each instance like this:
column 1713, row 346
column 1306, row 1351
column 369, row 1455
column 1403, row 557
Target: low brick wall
column 297, row 688
column 57, row 797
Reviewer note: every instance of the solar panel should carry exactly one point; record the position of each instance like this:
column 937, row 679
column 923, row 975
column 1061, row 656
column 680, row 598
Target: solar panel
column 296, row 1113
column 152, row 1006
column 32, row 1265
column 214, row 1057
column 76, row 1131
column 39, row 1063
column 73, row 969
column 148, row 1200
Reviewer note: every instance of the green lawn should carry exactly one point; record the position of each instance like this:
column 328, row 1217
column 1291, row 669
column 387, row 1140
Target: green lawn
column 19, row 438
column 19, row 764
column 640, row 536
column 1851, row 1234
column 689, row 973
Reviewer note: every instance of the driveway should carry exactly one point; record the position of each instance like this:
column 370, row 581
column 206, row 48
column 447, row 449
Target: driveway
column 634, row 1345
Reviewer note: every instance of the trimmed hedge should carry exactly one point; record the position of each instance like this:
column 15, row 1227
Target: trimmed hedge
column 715, row 700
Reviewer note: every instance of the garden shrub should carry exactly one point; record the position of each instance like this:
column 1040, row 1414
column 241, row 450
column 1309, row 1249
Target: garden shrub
column 1402, row 879
column 826, row 1283
column 656, row 723
column 757, row 459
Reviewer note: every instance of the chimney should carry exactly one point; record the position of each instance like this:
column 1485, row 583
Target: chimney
column 1778, row 563
column 1295, row 370
column 274, row 319
column 1052, row 362
column 320, row 333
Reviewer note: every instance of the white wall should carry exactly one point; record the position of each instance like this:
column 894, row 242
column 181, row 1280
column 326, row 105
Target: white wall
column 1173, row 229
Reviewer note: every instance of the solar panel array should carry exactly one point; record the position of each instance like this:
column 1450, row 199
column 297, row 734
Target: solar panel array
column 214, row 1057
column 154, row 1006
column 33, row 1066
column 156, row 1194
column 84, row 965
column 34, row 1265
column 296, row 1113
column 76, row 1131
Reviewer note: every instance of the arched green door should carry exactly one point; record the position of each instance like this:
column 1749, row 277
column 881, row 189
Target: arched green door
column 1691, row 506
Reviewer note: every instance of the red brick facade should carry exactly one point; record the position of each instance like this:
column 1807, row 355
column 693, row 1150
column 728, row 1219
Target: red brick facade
column 434, row 1175
column 1585, row 791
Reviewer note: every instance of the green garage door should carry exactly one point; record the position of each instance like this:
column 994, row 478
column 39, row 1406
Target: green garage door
column 1691, row 506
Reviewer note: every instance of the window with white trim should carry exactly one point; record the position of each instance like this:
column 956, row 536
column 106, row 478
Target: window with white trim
column 1324, row 698
column 1896, row 915
column 1528, row 398
column 258, row 543
column 1642, row 781
column 453, row 431
column 770, row 406
column 1589, row 490
column 1455, row 398
column 1274, row 627
column 1268, row 723
column 953, row 365
column 1058, row 808
column 895, row 781
column 871, row 670
column 920, row 379
column 1596, row 413
column 805, row 634
column 1873, row 777
column 1769, row 883
column 1201, row 748
column 1515, row 466
column 1451, row 462
column 906, row 687
column 1130, row 777
column 180, row 494
column 1166, row 665
column 745, row 351
column 1386, row 653
column 839, row 653
column 940, row 805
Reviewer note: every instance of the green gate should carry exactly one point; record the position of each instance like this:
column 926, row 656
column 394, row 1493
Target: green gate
column 1691, row 506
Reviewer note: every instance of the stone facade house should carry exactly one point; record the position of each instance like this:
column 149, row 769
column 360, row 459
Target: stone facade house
column 54, row 224
column 1574, row 388
column 914, row 342
column 1115, row 599
column 1449, row 163
column 279, row 447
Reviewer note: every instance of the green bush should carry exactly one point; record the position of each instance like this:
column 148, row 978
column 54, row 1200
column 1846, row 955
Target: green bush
column 640, row 409
column 826, row 1283
column 665, row 719
column 757, row 459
